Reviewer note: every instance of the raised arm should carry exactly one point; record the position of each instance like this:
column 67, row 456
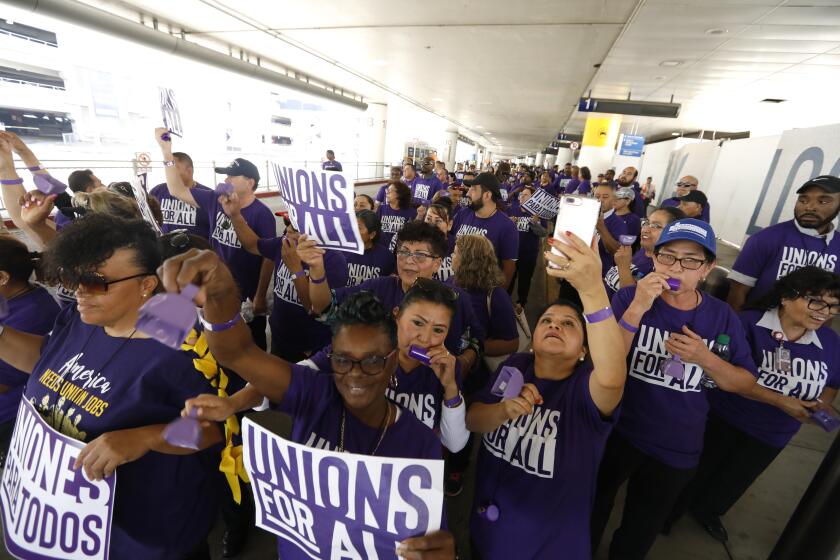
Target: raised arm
column 611, row 244
column 582, row 269
column 233, row 347
column 248, row 238
column 319, row 290
column 176, row 186
column 19, row 349
column 14, row 195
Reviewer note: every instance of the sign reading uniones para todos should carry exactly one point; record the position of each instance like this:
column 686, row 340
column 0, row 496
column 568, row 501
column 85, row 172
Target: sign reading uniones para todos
column 321, row 206
column 340, row 505
column 51, row 511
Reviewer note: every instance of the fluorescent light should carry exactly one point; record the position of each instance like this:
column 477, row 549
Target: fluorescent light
column 437, row 99
column 380, row 62
column 479, row 126
column 675, row 134
column 670, row 63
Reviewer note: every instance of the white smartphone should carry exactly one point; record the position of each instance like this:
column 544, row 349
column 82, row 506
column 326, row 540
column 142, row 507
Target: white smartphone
column 578, row 215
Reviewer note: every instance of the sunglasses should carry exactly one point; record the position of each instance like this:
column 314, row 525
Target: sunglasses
column 687, row 185
column 92, row 282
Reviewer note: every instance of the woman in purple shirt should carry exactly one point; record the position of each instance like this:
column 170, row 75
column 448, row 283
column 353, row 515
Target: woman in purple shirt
column 346, row 411
column 165, row 498
column 377, row 260
column 798, row 359
column 441, row 216
column 541, row 448
column 396, row 211
column 31, row 309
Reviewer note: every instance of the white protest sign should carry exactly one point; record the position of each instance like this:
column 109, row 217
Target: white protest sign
column 340, row 505
column 170, row 112
column 138, row 186
column 51, row 511
column 542, row 204
column 320, row 206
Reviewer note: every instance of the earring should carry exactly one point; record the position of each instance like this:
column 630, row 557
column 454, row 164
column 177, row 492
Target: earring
column 582, row 358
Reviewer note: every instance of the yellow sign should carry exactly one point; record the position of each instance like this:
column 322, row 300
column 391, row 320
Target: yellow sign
column 601, row 132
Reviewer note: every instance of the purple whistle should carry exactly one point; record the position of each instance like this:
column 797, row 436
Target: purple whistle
column 169, row 318
column 626, row 239
column 826, row 421
column 673, row 367
column 166, row 137
column 48, row 184
column 489, row 512
column 674, row 283
column 224, row 188
column 508, row 383
column 184, row 431
column 419, row 354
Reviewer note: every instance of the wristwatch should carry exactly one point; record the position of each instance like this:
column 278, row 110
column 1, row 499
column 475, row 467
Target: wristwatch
column 169, row 162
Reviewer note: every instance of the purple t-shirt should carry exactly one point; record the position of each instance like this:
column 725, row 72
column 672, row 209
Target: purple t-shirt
column 393, row 221
column 778, row 250
column 616, row 227
column 381, row 194
column 331, row 165
column 498, row 228
column 444, row 271
column 640, row 266
column 61, row 220
column 244, row 266
column 572, row 186
column 674, row 202
column 662, row 416
column 373, row 263
column 315, row 406
column 293, row 329
column 389, row 291
column 501, row 319
column 633, row 223
column 541, row 470
column 177, row 214
column 529, row 243
column 585, row 187
column 33, row 312
column 423, row 189
column 815, row 361
column 164, row 504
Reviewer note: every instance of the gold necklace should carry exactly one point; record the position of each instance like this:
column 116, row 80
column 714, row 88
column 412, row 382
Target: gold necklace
column 384, row 428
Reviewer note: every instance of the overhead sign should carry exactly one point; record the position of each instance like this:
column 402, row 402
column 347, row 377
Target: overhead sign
column 340, row 505
column 574, row 146
column 587, row 105
column 51, row 510
column 321, row 206
column 631, row 146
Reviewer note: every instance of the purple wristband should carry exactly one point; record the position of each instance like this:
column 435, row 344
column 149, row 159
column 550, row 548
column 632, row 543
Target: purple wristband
column 35, row 168
column 320, row 280
column 218, row 327
column 17, row 181
column 454, row 402
column 627, row 326
column 600, row 315
column 298, row 274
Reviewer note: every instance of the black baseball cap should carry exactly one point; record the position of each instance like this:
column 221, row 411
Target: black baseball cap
column 242, row 167
column 828, row 183
column 486, row 181
column 695, row 196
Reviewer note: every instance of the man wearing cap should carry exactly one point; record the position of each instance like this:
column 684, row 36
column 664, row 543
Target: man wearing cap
column 807, row 240
column 610, row 227
column 252, row 273
column 425, row 184
column 623, row 201
column 693, row 204
column 482, row 217
column 684, row 186
column 177, row 214
column 331, row 164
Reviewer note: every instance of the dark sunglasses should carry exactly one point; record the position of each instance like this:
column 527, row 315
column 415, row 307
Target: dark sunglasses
column 92, row 282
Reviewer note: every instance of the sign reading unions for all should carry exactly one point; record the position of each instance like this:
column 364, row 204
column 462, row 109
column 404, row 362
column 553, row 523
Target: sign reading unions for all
column 51, row 511
column 542, row 204
column 340, row 505
column 320, row 206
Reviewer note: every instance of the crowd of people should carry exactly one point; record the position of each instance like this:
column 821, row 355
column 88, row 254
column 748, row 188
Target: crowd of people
column 636, row 375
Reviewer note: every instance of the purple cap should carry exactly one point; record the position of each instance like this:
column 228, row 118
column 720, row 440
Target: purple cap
column 626, row 239
column 419, row 354
column 48, row 184
column 184, row 431
column 224, row 188
column 674, row 283
column 489, row 512
column 508, row 383
column 674, row 367
column 169, row 318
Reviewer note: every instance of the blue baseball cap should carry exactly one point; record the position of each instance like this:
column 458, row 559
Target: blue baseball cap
column 689, row 229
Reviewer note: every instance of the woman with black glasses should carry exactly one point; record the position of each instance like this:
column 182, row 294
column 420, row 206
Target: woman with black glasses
column 798, row 359
column 668, row 327
column 97, row 379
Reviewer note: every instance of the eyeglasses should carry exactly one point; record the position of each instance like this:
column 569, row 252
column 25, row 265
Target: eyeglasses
column 815, row 304
column 92, row 282
column 651, row 225
column 369, row 365
column 420, row 257
column 688, row 263
column 429, row 286
column 688, row 185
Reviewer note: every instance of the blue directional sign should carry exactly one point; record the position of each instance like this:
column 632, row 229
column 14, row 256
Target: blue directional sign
column 631, row 146
column 587, row 104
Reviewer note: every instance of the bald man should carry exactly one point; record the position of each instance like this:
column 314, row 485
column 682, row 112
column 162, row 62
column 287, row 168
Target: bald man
column 684, row 186
column 628, row 179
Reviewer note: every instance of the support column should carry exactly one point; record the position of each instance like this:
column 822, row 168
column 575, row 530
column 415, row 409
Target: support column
column 451, row 145
column 550, row 160
column 540, row 159
column 530, row 159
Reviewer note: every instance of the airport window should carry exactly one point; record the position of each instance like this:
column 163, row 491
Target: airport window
column 26, row 77
column 36, row 124
column 26, row 32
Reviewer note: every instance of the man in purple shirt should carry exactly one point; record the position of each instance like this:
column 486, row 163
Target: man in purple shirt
column 426, row 184
column 177, row 214
column 396, row 175
column 628, row 179
column 807, row 240
column 610, row 227
column 331, row 164
column 693, row 204
column 484, row 218
column 684, row 186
